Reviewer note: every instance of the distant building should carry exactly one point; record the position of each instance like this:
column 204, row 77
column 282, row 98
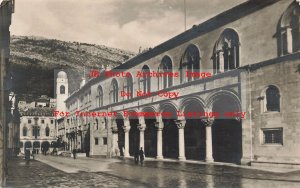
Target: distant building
column 28, row 101
column 37, row 128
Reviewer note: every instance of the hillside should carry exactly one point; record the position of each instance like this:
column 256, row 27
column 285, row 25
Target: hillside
column 34, row 61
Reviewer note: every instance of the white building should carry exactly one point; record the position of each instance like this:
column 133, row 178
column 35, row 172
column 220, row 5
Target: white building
column 37, row 127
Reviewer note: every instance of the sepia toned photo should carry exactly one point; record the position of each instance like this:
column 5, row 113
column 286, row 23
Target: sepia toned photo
column 150, row 93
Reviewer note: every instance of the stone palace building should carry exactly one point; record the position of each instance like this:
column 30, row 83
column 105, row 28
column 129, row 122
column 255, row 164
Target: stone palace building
column 234, row 95
column 38, row 128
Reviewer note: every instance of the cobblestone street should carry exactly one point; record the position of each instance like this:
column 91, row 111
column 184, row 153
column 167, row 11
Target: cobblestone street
column 38, row 174
column 89, row 172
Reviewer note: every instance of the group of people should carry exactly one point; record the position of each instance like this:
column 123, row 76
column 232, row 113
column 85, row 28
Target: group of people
column 139, row 156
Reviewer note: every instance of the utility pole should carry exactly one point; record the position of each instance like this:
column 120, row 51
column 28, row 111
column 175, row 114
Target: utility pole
column 184, row 15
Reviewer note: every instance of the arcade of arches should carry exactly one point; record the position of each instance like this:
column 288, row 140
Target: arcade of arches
column 207, row 139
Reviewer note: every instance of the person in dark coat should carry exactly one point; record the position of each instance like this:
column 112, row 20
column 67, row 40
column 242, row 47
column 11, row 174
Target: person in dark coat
column 141, row 152
column 136, row 156
column 74, row 153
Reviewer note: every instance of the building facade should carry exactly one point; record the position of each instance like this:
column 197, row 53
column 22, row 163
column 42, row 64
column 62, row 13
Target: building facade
column 37, row 129
column 233, row 96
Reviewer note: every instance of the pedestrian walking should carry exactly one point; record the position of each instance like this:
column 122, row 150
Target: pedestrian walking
column 136, row 156
column 141, row 152
column 74, row 153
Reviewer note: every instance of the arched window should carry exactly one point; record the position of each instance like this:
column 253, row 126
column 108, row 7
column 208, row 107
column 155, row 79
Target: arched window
column 272, row 99
column 226, row 52
column 97, row 124
column 35, row 131
column 47, row 130
column 128, row 86
column 114, row 91
column 62, row 89
column 290, row 30
column 24, row 131
column 190, row 63
column 145, row 81
column 165, row 67
column 100, row 97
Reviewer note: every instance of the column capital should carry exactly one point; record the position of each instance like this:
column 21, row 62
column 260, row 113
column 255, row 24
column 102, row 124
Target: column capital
column 239, row 119
column 208, row 121
column 141, row 127
column 180, row 123
column 126, row 122
column 142, row 120
column 114, row 128
column 126, row 128
column 159, row 125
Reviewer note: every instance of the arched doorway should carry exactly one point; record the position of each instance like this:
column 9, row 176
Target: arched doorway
column 194, row 133
column 121, row 134
column 150, row 136
column 134, row 136
column 28, row 145
column 226, row 131
column 36, row 146
column 170, row 134
column 45, row 146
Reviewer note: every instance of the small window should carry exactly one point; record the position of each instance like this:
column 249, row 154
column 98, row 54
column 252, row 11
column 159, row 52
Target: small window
column 62, row 90
column 273, row 136
column 29, row 121
column 24, row 131
column 47, row 131
column 51, row 121
column 96, row 141
column 273, row 99
column 104, row 141
column 42, row 121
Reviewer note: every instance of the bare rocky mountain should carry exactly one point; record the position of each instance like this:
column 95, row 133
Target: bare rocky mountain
column 34, row 60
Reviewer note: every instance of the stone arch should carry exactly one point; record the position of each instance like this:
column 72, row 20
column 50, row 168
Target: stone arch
column 119, row 122
column 170, row 131
column 226, row 130
column 264, row 99
column 45, row 146
column 134, row 133
column 145, row 81
column 194, row 130
column 226, row 53
column 169, row 107
column 166, row 66
column 150, row 134
column 187, row 100
column 114, row 91
column 288, row 30
column 190, row 61
column 28, row 144
column 212, row 97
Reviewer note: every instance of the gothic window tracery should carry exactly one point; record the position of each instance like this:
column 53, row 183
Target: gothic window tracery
column 226, row 52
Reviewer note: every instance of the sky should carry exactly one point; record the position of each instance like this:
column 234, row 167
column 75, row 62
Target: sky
column 124, row 24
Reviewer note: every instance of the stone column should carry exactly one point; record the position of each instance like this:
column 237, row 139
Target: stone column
column 289, row 40
column 159, row 125
column 209, row 154
column 126, row 128
column 181, row 124
column 92, row 141
column 114, row 130
column 221, row 61
column 142, row 128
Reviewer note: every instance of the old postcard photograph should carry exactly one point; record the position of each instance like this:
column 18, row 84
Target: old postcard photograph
column 150, row 93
